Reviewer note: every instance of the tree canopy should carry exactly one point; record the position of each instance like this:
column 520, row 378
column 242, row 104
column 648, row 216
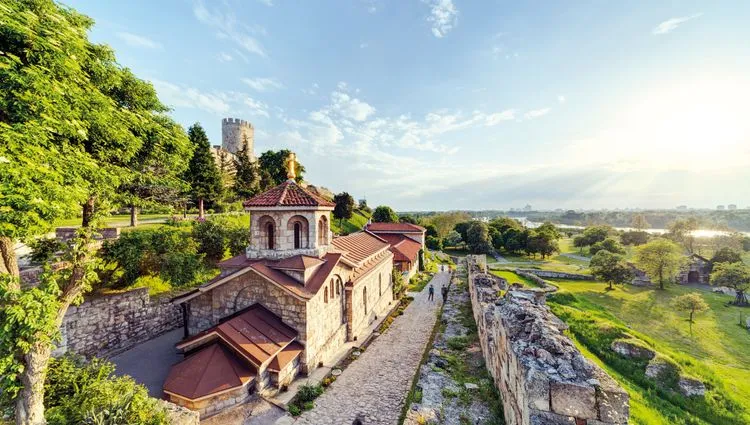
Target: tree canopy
column 735, row 276
column 384, row 214
column 274, row 165
column 661, row 259
column 344, row 208
column 247, row 174
column 202, row 174
column 610, row 268
column 692, row 303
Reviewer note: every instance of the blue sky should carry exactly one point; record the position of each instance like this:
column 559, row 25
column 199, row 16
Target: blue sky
column 451, row 104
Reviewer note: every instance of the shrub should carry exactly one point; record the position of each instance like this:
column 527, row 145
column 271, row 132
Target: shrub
column 209, row 235
column 308, row 393
column 43, row 249
column 77, row 391
column 458, row 343
column 236, row 239
column 294, row 410
column 155, row 284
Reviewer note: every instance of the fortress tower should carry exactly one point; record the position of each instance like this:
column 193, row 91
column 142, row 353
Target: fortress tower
column 233, row 130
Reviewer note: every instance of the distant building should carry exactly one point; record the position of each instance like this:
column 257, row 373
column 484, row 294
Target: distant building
column 732, row 207
column 720, row 207
column 697, row 270
column 234, row 132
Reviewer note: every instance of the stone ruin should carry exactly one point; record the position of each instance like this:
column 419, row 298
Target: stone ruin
column 542, row 377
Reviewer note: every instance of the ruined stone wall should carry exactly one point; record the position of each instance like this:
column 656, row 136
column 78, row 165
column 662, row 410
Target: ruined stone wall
column 112, row 323
column 541, row 375
column 549, row 274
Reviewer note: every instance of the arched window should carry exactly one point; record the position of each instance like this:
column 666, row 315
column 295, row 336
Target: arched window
column 332, row 288
column 297, row 236
column 364, row 298
column 380, row 285
column 325, row 295
column 270, row 233
column 323, row 231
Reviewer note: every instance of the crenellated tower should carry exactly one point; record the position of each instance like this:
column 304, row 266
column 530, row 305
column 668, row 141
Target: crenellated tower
column 233, row 131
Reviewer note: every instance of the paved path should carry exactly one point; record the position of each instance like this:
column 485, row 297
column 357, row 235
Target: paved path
column 375, row 385
column 576, row 257
column 149, row 362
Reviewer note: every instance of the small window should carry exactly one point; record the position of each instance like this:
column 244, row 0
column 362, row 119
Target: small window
column 297, row 235
column 364, row 298
column 325, row 295
column 270, row 232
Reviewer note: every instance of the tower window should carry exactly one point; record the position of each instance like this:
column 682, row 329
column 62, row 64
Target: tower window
column 297, row 236
column 270, row 233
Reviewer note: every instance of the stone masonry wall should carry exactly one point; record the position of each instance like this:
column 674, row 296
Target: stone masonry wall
column 112, row 323
column 542, row 377
column 556, row 275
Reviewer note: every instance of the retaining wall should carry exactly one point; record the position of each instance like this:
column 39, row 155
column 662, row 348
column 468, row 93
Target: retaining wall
column 109, row 324
column 542, row 377
column 549, row 274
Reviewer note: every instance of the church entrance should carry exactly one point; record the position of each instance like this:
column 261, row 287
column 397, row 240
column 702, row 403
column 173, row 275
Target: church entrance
column 693, row 277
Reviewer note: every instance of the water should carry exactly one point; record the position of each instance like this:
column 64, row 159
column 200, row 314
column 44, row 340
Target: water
column 700, row 233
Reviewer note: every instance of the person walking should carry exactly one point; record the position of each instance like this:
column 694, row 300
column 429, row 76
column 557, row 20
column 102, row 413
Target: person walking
column 444, row 292
column 431, row 293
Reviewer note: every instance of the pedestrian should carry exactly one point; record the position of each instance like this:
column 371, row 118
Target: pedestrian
column 431, row 295
column 444, row 291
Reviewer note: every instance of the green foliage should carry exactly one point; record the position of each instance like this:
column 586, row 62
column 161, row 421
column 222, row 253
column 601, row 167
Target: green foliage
column 344, row 206
column 83, row 392
column 236, row 239
column 202, row 173
column 681, row 231
column 692, row 303
column 610, row 268
column 167, row 252
column 462, row 229
column 155, row 285
column 634, row 237
column 735, row 276
column 43, row 249
column 363, row 206
column 592, row 235
column 661, row 259
column 294, row 410
column 639, row 222
column 608, row 244
column 398, row 283
column 726, row 255
column 431, row 230
column 407, row 218
column 273, row 166
column 478, row 238
column 434, row 243
column 247, row 173
column 452, row 239
column 209, row 235
column 542, row 240
column 384, row 214
column 458, row 343
column 445, row 222
column 308, row 392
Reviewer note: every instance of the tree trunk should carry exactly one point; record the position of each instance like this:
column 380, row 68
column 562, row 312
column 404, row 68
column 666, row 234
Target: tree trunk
column 200, row 208
column 691, row 316
column 133, row 216
column 30, row 401
column 661, row 280
column 88, row 212
column 8, row 259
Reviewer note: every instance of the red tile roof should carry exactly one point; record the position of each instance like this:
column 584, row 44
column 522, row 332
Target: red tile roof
column 288, row 194
column 406, row 250
column 256, row 334
column 297, row 262
column 289, row 353
column 394, row 227
column 359, row 246
column 212, row 369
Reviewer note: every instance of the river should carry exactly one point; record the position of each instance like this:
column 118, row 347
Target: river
column 700, row 233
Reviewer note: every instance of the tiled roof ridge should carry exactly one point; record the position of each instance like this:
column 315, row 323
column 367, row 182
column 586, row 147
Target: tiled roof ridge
column 282, row 198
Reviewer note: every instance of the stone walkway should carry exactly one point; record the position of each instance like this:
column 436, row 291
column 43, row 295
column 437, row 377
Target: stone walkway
column 375, row 385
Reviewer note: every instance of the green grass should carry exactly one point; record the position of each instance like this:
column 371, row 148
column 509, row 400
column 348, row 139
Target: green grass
column 512, row 278
column 716, row 351
column 354, row 224
column 419, row 281
column 120, row 219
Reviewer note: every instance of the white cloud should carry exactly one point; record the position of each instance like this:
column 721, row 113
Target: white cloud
column 498, row 117
column 350, row 107
column 561, row 99
column 225, row 57
column 229, row 28
column 190, row 97
column 138, row 40
column 263, row 84
column 443, row 16
column 671, row 24
column 536, row 113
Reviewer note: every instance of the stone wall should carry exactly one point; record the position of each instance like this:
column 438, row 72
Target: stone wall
column 112, row 323
column 541, row 375
column 378, row 288
column 65, row 234
column 178, row 415
column 549, row 274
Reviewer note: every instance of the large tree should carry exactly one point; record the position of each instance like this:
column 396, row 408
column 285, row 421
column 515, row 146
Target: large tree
column 71, row 122
column 735, row 276
column 344, row 207
column 247, row 174
column 692, row 303
column 640, row 223
column 202, row 173
column 661, row 259
column 384, row 214
column 274, row 168
column 610, row 268
column 681, row 231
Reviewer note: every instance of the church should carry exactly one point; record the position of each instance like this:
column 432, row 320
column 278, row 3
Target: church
column 285, row 307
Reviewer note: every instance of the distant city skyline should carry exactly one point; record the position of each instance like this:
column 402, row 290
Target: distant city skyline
column 449, row 104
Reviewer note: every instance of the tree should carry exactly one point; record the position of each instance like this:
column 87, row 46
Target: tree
column 463, row 229
column 384, row 214
column 639, row 222
column 407, row 218
column 692, row 303
column 478, row 238
column 593, row 234
column 541, row 242
column 344, row 206
column 434, row 243
column 453, row 239
column 202, row 174
column 735, row 276
column 609, row 244
column 431, row 230
column 610, row 268
column 661, row 259
column 681, row 231
column 247, row 175
column 634, row 237
column 726, row 255
column 274, row 166
column 446, row 222
column 502, row 224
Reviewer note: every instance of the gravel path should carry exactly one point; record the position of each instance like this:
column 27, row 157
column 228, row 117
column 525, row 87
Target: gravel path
column 374, row 387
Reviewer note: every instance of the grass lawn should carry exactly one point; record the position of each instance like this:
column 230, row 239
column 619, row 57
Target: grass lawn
column 354, row 224
column 120, row 219
column 512, row 278
column 716, row 351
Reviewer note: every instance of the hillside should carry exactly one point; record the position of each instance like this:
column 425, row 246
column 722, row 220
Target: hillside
column 354, row 224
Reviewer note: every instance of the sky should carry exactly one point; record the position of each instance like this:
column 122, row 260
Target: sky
column 458, row 104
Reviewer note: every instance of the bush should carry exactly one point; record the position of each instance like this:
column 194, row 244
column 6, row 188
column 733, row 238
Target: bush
column 43, row 249
column 308, row 393
column 83, row 392
column 209, row 235
column 434, row 243
column 236, row 239
column 294, row 410
column 155, row 284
